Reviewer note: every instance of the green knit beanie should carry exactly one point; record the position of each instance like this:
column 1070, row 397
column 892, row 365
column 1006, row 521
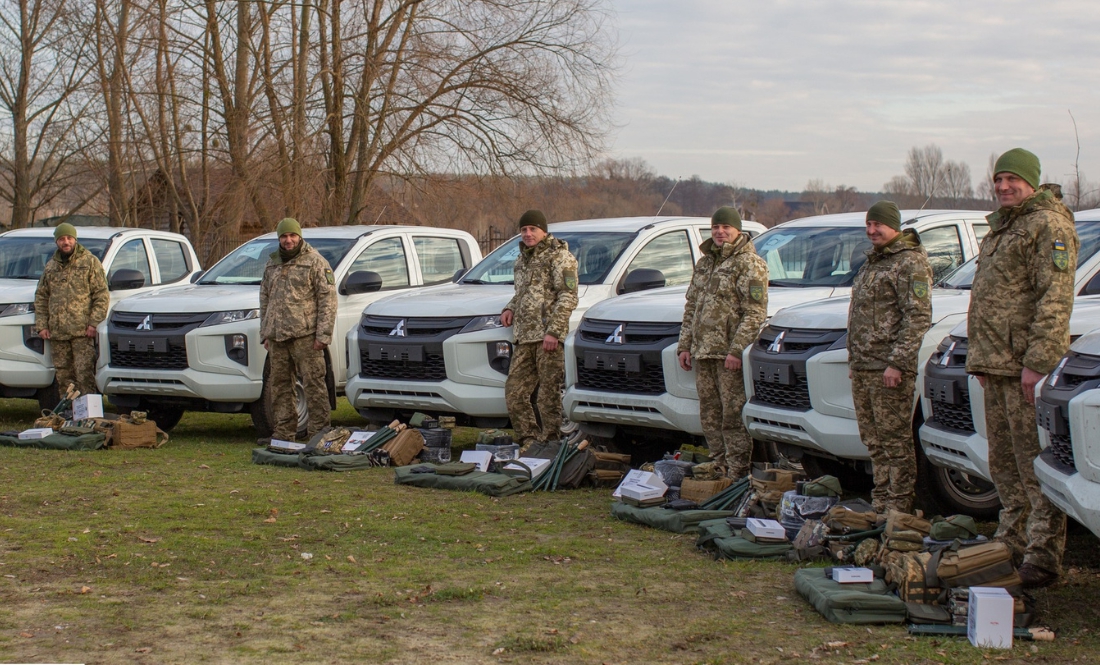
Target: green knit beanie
column 533, row 218
column 288, row 225
column 885, row 212
column 727, row 216
column 64, row 229
column 1022, row 163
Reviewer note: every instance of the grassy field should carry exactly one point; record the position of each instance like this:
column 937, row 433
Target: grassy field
column 191, row 553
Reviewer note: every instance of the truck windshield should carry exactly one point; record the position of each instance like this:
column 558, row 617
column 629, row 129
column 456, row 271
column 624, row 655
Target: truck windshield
column 245, row 265
column 25, row 257
column 813, row 256
column 1088, row 232
column 596, row 252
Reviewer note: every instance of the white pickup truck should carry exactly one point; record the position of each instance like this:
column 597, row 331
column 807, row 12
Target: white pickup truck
column 808, row 259
column 135, row 260
column 452, row 352
column 197, row 347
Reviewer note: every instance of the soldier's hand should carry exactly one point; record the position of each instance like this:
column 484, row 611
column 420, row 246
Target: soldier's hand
column 90, row 331
column 1028, row 380
column 549, row 343
column 506, row 318
column 891, row 378
column 44, row 334
column 981, row 380
column 317, row 346
column 685, row 361
column 733, row 363
column 265, row 345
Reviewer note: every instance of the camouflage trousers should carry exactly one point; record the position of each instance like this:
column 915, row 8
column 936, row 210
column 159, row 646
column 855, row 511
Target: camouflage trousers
column 885, row 417
column 290, row 360
column 721, row 399
column 74, row 362
column 1032, row 527
column 531, row 370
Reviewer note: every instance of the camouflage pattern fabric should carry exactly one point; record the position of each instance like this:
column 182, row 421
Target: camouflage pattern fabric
column 546, row 291
column 890, row 310
column 290, row 359
column 1030, row 525
column 727, row 301
column 533, row 369
column 884, row 416
column 74, row 362
column 721, row 398
column 71, row 295
column 1023, row 289
column 298, row 298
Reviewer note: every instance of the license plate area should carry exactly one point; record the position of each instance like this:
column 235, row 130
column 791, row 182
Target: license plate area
column 396, row 352
column 144, row 344
column 779, row 373
column 942, row 390
column 622, row 362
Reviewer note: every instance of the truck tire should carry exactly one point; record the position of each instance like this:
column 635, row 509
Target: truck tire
column 263, row 411
column 166, row 416
column 958, row 492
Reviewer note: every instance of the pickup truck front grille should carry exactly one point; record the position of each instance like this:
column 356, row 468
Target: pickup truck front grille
column 623, row 356
column 796, row 396
column 1061, row 446
column 431, row 369
column 405, row 349
column 650, row 381
column 946, row 386
column 174, row 359
column 778, row 360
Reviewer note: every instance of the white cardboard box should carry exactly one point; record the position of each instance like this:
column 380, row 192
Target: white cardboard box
column 482, row 458
column 640, row 486
column 36, row 433
column 88, row 406
column 287, row 445
column 765, row 528
column 537, row 465
column 989, row 624
column 853, row 575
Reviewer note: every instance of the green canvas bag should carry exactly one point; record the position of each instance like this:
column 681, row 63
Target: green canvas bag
column 849, row 603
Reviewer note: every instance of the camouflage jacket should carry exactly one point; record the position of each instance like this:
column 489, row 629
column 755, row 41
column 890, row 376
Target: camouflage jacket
column 71, row 295
column 298, row 297
column 546, row 291
column 1023, row 288
column 890, row 310
column 727, row 301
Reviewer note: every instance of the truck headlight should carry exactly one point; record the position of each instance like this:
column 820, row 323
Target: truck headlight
column 219, row 318
column 15, row 309
column 491, row 322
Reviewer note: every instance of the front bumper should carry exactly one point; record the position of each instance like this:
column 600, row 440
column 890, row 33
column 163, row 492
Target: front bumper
column 1074, row 494
column 968, row 453
column 21, row 368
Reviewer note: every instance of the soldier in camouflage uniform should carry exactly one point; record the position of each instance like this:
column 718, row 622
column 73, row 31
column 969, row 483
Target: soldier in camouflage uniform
column 546, row 294
column 1019, row 329
column 889, row 314
column 297, row 314
column 727, row 304
column 71, row 300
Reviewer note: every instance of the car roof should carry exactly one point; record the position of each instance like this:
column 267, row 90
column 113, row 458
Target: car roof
column 622, row 224
column 357, row 231
column 92, row 232
column 860, row 218
column 1092, row 215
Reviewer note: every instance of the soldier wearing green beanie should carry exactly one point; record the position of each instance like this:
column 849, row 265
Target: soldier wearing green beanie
column 71, row 300
column 726, row 216
column 1020, row 305
column 888, row 316
column 297, row 315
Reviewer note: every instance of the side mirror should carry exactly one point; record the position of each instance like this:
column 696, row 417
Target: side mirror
column 1093, row 287
column 643, row 279
column 197, row 276
column 362, row 281
column 458, row 275
column 125, row 279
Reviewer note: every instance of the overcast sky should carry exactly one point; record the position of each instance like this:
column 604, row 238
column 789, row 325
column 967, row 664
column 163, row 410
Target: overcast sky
column 771, row 93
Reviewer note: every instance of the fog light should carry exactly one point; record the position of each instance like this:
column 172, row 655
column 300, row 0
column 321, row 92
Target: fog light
column 239, row 342
column 236, row 347
column 500, row 355
column 504, row 349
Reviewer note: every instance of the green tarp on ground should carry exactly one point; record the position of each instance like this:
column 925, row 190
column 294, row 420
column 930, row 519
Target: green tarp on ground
column 58, row 442
column 676, row 521
column 716, row 537
column 493, row 484
column 849, row 603
column 311, row 462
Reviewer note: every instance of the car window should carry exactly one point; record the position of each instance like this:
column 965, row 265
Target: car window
column 132, row 256
column 1088, row 233
column 670, row 253
column 595, row 251
column 171, row 259
column 245, row 265
column 980, row 231
column 704, row 233
column 439, row 258
column 813, row 255
column 944, row 250
column 26, row 257
column 387, row 258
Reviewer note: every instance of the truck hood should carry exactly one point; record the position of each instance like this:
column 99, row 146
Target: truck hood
column 658, row 306
column 193, row 298
column 1084, row 319
column 447, row 300
column 17, row 290
column 780, row 298
column 832, row 313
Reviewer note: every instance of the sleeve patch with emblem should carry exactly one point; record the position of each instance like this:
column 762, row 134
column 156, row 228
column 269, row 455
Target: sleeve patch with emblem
column 920, row 288
column 570, row 277
column 329, row 277
column 1060, row 255
column 756, row 290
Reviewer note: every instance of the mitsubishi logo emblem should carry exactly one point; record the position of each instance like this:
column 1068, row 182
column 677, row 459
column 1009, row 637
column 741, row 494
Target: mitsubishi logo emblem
column 777, row 344
column 146, row 323
column 615, row 337
column 399, row 329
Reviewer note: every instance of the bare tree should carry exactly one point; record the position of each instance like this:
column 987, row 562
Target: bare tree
column 925, row 169
column 817, row 193
column 956, row 182
column 985, row 187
